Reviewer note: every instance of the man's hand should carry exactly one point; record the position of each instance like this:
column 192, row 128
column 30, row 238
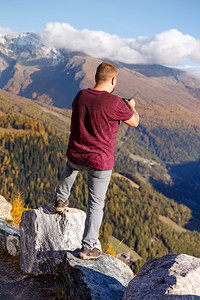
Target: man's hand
column 134, row 120
column 130, row 102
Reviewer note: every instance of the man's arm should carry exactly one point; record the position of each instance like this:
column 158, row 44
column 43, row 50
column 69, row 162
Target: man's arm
column 134, row 120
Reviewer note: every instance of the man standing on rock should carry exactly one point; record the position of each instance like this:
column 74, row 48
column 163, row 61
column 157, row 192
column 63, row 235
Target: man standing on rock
column 96, row 115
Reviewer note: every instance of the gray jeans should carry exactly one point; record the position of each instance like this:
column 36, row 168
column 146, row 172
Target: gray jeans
column 98, row 182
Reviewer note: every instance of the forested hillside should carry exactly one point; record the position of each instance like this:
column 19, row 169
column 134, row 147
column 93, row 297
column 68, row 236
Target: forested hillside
column 57, row 119
column 32, row 156
column 168, row 132
column 165, row 151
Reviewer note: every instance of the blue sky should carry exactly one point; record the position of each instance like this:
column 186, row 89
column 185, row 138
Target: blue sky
column 126, row 19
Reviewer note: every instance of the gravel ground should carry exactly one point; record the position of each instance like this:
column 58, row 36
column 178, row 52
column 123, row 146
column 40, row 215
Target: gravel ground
column 15, row 284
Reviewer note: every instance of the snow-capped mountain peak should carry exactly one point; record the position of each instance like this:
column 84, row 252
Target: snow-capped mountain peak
column 28, row 47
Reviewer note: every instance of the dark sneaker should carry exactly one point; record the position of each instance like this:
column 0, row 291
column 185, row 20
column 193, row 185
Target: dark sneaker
column 60, row 206
column 86, row 253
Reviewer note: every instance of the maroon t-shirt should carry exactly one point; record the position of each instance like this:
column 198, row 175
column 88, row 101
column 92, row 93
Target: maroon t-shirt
column 94, row 126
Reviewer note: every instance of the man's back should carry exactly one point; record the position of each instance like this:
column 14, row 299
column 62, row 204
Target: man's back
column 94, row 126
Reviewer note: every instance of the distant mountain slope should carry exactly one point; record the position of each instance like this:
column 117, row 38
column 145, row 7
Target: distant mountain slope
column 53, row 76
column 162, row 86
column 58, row 119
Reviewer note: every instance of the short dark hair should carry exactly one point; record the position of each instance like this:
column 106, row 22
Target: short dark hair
column 105, row 71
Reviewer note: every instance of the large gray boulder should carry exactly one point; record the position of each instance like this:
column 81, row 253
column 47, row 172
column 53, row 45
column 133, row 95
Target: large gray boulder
column 5, row 209
column 45, row 237
column 9, row 238
column 102, row 279
column 174, row 276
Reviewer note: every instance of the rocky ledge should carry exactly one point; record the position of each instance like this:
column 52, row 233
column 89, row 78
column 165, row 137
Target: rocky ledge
column 174, row 276
column 45, row 237
column 105, row 278
column 48, row 242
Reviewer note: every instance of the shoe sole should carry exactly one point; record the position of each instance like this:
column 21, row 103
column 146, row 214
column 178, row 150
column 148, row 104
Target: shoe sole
column 85, row 257
column 60, row 210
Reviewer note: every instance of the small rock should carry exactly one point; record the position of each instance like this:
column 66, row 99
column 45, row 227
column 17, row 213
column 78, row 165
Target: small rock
column 102, row 279
column 45, row 238
column 5, row 209
column 13, row 245
column 173, row 276
column 9, row 238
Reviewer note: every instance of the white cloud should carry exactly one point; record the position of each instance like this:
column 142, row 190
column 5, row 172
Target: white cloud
column 170, row 47
column 4, row 31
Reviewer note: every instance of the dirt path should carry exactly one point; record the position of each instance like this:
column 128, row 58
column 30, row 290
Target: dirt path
column 15, row 284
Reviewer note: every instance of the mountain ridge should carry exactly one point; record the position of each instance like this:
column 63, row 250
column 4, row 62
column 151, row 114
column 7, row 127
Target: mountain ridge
column 29, row 68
